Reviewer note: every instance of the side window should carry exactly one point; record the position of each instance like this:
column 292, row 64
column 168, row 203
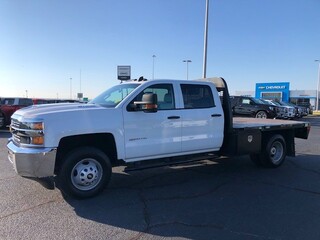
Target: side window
column 164, row 94
column 8, row 101
column 25, row 102
column 197, row 96
column 246, row 101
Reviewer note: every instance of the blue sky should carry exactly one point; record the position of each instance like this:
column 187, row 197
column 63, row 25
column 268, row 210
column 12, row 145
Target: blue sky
column 44, row 43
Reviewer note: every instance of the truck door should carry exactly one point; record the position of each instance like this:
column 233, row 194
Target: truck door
column 153, row 134
column 202, row 119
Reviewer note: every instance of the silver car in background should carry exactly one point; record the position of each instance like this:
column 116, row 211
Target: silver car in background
column 300, row 110
column 283, row 111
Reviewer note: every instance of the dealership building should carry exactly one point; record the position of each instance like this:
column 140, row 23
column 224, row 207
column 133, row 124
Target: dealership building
column 281, row 91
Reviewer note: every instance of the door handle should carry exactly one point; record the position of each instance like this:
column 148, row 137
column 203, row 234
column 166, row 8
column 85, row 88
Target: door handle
column 174, row 117
column 216, row 115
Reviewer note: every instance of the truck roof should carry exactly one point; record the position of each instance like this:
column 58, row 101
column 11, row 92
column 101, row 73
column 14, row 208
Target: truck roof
column 217, row 81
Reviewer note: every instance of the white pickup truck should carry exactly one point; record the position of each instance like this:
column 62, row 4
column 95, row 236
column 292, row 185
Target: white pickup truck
column 141, row 124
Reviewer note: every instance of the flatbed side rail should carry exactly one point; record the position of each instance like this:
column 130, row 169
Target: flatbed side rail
column 300, row 129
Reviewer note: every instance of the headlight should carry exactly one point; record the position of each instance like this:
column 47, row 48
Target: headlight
column 28, row 133
column 271, row 108
column 34, row 125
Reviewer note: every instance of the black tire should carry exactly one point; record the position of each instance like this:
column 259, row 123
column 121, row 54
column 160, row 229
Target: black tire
column 261, row 114
column 273, row 155
column 84, row 173
column 275, row 152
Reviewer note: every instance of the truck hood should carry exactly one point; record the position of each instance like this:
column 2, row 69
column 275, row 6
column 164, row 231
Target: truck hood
column 70, row 119
column 38, row 111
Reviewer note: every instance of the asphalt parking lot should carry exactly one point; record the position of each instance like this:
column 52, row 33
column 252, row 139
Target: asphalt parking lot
column 222, row 199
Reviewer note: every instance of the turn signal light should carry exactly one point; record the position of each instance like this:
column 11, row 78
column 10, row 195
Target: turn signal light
column 37, row 140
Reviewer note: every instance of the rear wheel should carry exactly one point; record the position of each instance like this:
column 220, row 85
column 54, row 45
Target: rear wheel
column 85, row 172
column 275, row 151
column 273, row 154
column 261, row 114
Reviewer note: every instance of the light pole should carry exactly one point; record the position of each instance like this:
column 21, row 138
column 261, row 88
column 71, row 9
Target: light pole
column 80, row 80
column 70, row 88
column 317, row 93
column 204, row 73
column 153, row 56
column 26, row 93
column 187, row 61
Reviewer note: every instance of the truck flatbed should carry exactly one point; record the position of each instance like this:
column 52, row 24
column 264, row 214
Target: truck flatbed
column 251, row 135
column 266, row 124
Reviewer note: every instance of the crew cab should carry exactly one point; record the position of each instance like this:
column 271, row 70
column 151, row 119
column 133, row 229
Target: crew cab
column 141, row 124
column 9, row 105
column 252, row 107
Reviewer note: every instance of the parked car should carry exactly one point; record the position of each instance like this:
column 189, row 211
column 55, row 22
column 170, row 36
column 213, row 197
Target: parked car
column 300, row 110
column 8, row 106
column 48, row 101
column 252, row 107
column 292, row 111
column 303, row 102
column 282, row 112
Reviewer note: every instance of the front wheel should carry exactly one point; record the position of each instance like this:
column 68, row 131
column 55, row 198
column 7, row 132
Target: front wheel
column 261, row 114
column 85, row 172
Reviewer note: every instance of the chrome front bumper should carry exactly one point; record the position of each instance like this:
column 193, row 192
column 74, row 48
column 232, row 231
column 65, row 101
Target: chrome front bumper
column 32, row 162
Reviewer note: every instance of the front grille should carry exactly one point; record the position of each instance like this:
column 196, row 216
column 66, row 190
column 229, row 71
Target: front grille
column 22, row 134
column 16, row 138
column 15, row 124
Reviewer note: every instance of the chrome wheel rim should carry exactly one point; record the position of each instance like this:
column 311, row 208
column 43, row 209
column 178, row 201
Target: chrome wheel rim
column 276, row 152
column 261, row 115
column 86, row 174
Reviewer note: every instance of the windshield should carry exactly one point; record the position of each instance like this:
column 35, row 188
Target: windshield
column 284, row 104
column 258, row 101
column 113, row 96
column 267, row 102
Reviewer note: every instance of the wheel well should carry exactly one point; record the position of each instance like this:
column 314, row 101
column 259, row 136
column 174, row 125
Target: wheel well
column 261, row 110
column 288, row 136
column 103, row 141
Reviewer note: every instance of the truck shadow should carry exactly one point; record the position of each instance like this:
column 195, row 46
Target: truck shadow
column 204, row 200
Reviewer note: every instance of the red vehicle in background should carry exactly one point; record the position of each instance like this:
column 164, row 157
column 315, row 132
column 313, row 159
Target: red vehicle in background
column 48, row 101
column 8, row 106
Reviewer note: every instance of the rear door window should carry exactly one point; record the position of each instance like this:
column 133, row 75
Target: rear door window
column 197, row 96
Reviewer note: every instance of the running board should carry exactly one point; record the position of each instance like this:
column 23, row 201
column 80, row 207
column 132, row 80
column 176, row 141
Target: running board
column 163, row 162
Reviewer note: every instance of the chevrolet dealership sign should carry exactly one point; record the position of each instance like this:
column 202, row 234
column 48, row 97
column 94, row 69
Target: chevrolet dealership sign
column 273, row 87
column 124, row 73
column 279, row 88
